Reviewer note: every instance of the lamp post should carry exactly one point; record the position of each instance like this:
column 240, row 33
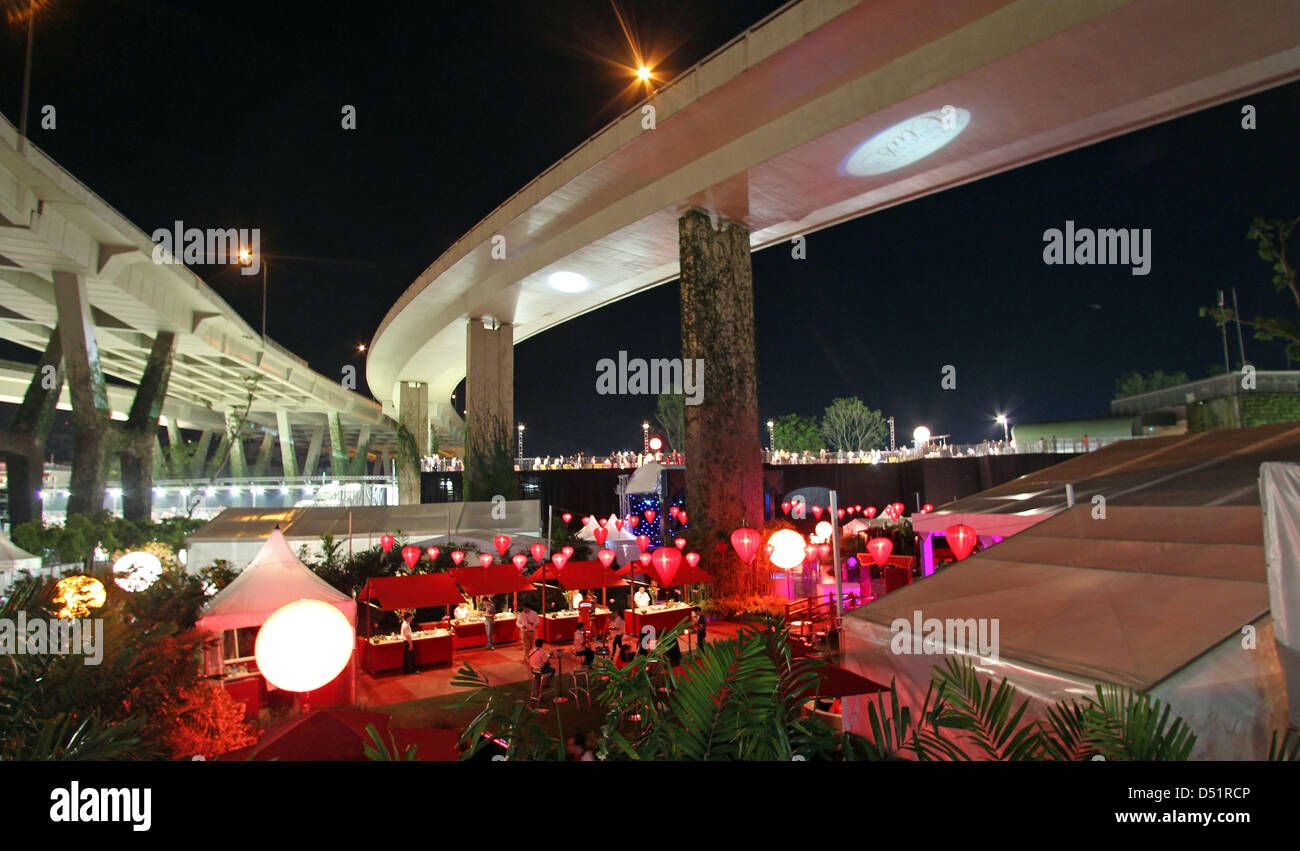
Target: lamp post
column 645, row 437
column 520, row 454
column 771, row 436
column 1004, row 422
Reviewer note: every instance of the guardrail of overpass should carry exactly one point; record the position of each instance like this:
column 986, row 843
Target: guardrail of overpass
column 1215, row 387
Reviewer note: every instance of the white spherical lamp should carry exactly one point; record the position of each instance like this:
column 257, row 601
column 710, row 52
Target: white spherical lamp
column 303, row 645
column 787, row 549
column 921, row 435
column 823, row 529
column 136, row 571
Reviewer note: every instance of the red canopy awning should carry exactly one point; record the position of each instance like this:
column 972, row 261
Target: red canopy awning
column 412, row 591
column 495, row 579
column 580, row 575
column 686, row 575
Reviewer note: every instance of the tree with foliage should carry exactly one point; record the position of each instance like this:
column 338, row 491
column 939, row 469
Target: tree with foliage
column 670, row 413
column 850, row 426
column 1270, row 237
column 1135, row 383
column 796, row 433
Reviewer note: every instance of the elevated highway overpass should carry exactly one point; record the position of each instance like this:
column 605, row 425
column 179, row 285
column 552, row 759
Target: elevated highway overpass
column 822, row 112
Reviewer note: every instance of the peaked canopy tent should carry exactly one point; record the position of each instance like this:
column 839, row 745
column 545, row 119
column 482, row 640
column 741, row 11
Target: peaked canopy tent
column 582, row 575
column 480, row 581
column 273, row 579
column 14, row 558
column 411, row 591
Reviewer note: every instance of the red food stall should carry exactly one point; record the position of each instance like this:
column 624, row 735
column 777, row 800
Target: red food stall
column 488, row 582
column 661, row 616
column 409, row 591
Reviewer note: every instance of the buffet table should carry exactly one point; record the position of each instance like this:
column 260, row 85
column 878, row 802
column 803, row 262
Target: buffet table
column 661, row 616
column 384, row 652
column 470, row 632
column 560, row 626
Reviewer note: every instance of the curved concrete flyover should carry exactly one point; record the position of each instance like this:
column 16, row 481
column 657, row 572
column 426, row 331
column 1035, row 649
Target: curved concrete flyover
column 763, row 131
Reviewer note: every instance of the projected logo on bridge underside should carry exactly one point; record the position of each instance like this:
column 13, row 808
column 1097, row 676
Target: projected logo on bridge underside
column 906, row 142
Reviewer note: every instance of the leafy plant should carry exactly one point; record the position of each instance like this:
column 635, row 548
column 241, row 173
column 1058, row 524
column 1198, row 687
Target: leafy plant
column 378, row 750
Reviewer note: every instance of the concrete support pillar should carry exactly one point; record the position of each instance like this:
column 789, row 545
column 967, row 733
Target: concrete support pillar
column 238, row 463
column 288, row 458
column 200, row 459
column 313, row 450
column 489, row 412
column 338, row 448
column 412, row 439
column 24, row 446
column 724, row 456
column 140, row 433
column 92, row 432
column 175, row 469
column 363, row 449
column 263, row 461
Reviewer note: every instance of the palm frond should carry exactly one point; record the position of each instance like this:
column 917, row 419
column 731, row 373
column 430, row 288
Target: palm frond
column 1125, row 725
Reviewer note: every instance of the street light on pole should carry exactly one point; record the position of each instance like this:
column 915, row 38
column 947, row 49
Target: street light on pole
column 520, row 455
column 1002, row 420
column 245, row 258
column 771, row 436
column 645, row 437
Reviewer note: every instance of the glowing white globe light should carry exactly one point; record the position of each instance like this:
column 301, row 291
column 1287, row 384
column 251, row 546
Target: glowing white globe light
column 136, row 571
column 823, row 529
column 921, row 435
column 787, row 549
column 303, row 645
column 567, row 282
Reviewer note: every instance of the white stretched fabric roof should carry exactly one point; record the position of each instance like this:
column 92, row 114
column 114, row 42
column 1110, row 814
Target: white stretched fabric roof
column 588, row 531
column 13, row 557
column 273, row 579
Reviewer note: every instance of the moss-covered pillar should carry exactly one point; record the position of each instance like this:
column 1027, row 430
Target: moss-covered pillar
column 412, row 438
column 24, row 462
column 91, row 426
column 141, row 429
column 288, row 455
column 724, row 457
column 489, row 412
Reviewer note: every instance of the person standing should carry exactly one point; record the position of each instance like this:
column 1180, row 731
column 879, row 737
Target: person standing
column 489, row 620
column 617, row 629
column 527, row 622
column 408, row 638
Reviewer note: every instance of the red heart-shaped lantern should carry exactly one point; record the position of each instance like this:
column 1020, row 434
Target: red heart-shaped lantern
column 961, row 540
column 566, row 517
column 568, row 552
column 645, row 559
column 457, row 556
column 604, row 521
column 785, row 506
column 387, row 542
column 600, row 536
column 632, row 521
column 650, row 515
column 520, row 560
column 485, row 559
column 606, row 557
column 680, row 543
column 433, row 553
column 693, row 559
column 745, row 541
column 817, row 512
column 558, row 560
column 503, row 544
column 666, row 561
column 410, row 555
column 880, row 548
column 618, row 524
column 539, row 552
column 870, row 511
column 643, row 541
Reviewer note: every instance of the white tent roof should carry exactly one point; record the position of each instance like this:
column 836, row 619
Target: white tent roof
column 273, row 579
column 854, row 526
column 13, row 557
column 588, row 531
column 645, row 479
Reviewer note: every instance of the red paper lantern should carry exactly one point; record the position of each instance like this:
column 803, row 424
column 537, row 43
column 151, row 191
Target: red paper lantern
column 681, row 517
column 817, row 512
column 666, row 561
column 600, row 535
column 785, row 506
column 824, row 550
column 898, row 508
column 680, row 543
column 746, row 541
column 387, row 542
column 410, row 555
column 961, row 540
column 633, row 520
column 606, row 557
column 457, row 556
column 566, row 517
column 645, row 559
column 649, row 515
column 870, row 511
column 604, row 521
column 927, row 508
column 432, row 553
column 618, row 524
column 880, row 548
column 539, row 551
column 485, row 559
column 672, row 510
column 586, row 519
column 643, row 541
column 503, row 544
column 839, row 512
column 568, row 552
column 558, row 560
column 520, row 560
column 693, row 559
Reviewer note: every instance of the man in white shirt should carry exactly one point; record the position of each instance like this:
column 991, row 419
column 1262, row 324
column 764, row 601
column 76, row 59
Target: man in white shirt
column 462, row 612
column 408, row 639
column 641, row 598
column 527, row 622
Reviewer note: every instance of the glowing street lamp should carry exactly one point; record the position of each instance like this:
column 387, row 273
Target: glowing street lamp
column 921, row 435
column 645, row 437
column 644, row 73
column 520, row 453
column 771, row 436
column 1002, row 420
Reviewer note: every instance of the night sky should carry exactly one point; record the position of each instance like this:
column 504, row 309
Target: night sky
column 227, row 115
